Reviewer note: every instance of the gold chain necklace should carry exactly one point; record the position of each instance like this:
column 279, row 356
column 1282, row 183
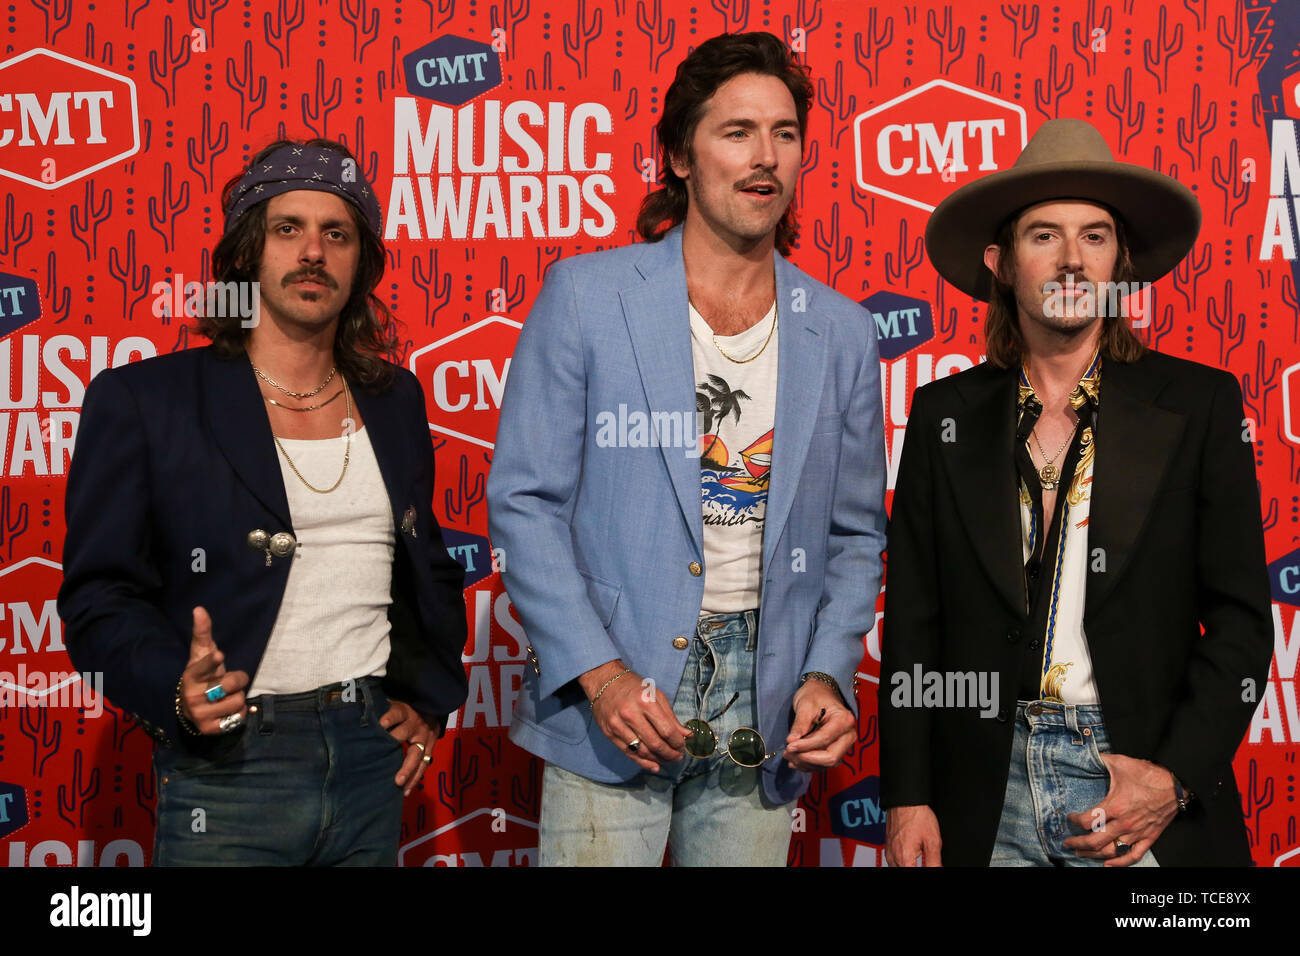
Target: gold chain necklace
column 274, row 384
column 1049, row 474
column 347, row 450
column 770, row 333
column 302, row 408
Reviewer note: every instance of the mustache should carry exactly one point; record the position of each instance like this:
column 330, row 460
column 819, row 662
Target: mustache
column 316, row 275
column 760, row 180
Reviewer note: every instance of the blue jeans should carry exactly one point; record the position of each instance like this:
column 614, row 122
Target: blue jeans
column 707, row 811
column 307, row 781
column 1056, row 769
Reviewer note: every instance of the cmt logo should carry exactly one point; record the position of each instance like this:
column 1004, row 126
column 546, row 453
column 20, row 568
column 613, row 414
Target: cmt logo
column 1291, row 403
column 471, row 551
column 1284, row 579
column 464, row 378
column 62, row 119
column 489, row 827
column 918, row 147
column 20, row 302
column 856, row 812
column 13, row 808
column 902, row 323
column 452, row 70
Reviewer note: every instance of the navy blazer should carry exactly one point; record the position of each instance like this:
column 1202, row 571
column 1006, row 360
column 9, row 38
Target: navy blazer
column 174, row 465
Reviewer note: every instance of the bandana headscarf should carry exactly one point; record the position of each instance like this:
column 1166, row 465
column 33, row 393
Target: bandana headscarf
column 305, row 167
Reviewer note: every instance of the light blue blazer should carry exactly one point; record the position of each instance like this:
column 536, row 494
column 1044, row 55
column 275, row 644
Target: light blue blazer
column 597, row 542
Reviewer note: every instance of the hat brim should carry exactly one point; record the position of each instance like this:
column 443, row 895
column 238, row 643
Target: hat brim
column 1161, row 216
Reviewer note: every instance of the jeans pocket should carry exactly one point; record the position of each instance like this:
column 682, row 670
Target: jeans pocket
column 228, row 750
column 1096, row 745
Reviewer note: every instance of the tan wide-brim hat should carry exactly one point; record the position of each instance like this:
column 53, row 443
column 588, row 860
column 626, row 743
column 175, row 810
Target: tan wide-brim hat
column 1065, row 159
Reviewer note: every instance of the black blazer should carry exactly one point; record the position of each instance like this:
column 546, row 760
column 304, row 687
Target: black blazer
column 1175, row 510
column 175, row 453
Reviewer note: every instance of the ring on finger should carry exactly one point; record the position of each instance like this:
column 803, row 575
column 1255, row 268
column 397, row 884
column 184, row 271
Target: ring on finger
column 230, row 722
column 1121, row 847
column 214, row 693
column 418, row 744
column 634, row 745
column 427, row 758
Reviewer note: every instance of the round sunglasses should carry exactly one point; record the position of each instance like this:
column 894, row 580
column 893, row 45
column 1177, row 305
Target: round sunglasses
column 745, row 745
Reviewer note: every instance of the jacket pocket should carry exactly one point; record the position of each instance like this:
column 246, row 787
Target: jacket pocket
column 604, row 596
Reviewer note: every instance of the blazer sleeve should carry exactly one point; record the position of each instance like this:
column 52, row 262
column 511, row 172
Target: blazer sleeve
column 912, row 616
column 535, row 474
column 110, row 598
column 1230, row 660
column 855, row 535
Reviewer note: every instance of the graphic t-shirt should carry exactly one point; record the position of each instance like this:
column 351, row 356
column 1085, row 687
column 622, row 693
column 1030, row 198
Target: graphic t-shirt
column 735, row 402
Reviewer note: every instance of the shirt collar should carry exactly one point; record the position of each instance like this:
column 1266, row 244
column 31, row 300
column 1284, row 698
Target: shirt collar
column 1088, row 391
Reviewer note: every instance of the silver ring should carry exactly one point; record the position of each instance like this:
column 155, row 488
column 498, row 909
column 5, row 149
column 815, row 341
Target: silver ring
column 634, row 745
column 214, row 693
column 1121, row 847
column 230, row 722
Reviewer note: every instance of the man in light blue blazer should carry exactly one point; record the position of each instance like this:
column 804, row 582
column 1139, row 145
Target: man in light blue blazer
column 688, row 497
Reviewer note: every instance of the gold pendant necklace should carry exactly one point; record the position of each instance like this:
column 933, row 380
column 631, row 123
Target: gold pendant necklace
column 347, row 450
column 1049, row 474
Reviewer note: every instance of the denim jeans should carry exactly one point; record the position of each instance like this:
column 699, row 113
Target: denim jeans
column 306, row 781
column 708, row 812
column 1056, row 769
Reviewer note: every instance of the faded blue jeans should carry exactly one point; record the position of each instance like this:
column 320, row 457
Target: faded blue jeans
column 708, row 812
column 307, row 781
column 1056, row 769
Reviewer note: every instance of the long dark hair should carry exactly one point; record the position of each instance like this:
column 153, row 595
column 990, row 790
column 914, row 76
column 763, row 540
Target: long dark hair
column 365, row 341
column 1003, row 343
column 711, row 64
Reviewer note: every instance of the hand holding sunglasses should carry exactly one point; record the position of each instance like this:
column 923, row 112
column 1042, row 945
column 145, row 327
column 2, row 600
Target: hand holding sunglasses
column 745, row 745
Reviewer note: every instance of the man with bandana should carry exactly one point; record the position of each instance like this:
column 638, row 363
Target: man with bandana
column 252, row 561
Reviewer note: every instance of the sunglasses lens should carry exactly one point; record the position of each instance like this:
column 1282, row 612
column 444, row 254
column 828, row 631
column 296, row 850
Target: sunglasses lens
column 703, row 741
column 746, row 747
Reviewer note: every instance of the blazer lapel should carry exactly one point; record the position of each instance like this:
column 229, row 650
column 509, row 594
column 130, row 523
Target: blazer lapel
column 237, row 418
column 1135, row 443
column 800, row 372
column 984, row 480
column 657, row 322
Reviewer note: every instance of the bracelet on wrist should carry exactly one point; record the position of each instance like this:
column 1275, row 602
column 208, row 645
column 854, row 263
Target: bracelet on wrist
column 184, row 721
column 604, row 686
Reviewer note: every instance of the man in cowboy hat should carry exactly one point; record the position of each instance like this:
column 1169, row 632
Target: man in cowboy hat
column 1075, row 521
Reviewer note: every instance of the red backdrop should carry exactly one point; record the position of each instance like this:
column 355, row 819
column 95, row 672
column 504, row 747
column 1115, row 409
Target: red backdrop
column 503, row 136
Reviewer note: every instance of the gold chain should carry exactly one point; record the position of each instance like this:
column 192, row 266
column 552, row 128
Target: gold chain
column 274, row 384
column 347, row 450
column 770, row 333
column 303, row 408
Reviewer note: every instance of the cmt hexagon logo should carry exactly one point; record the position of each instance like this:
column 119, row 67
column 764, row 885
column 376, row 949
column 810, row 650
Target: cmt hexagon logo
column 902, row 323
column 20, row 302
column 1291, row 95
column 920, row 146
column 452, row 70
column 856, row 812
column 464, row 378
column 62, row 119
column 13, row 808
column 1284, row 579
column 1291, row 403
